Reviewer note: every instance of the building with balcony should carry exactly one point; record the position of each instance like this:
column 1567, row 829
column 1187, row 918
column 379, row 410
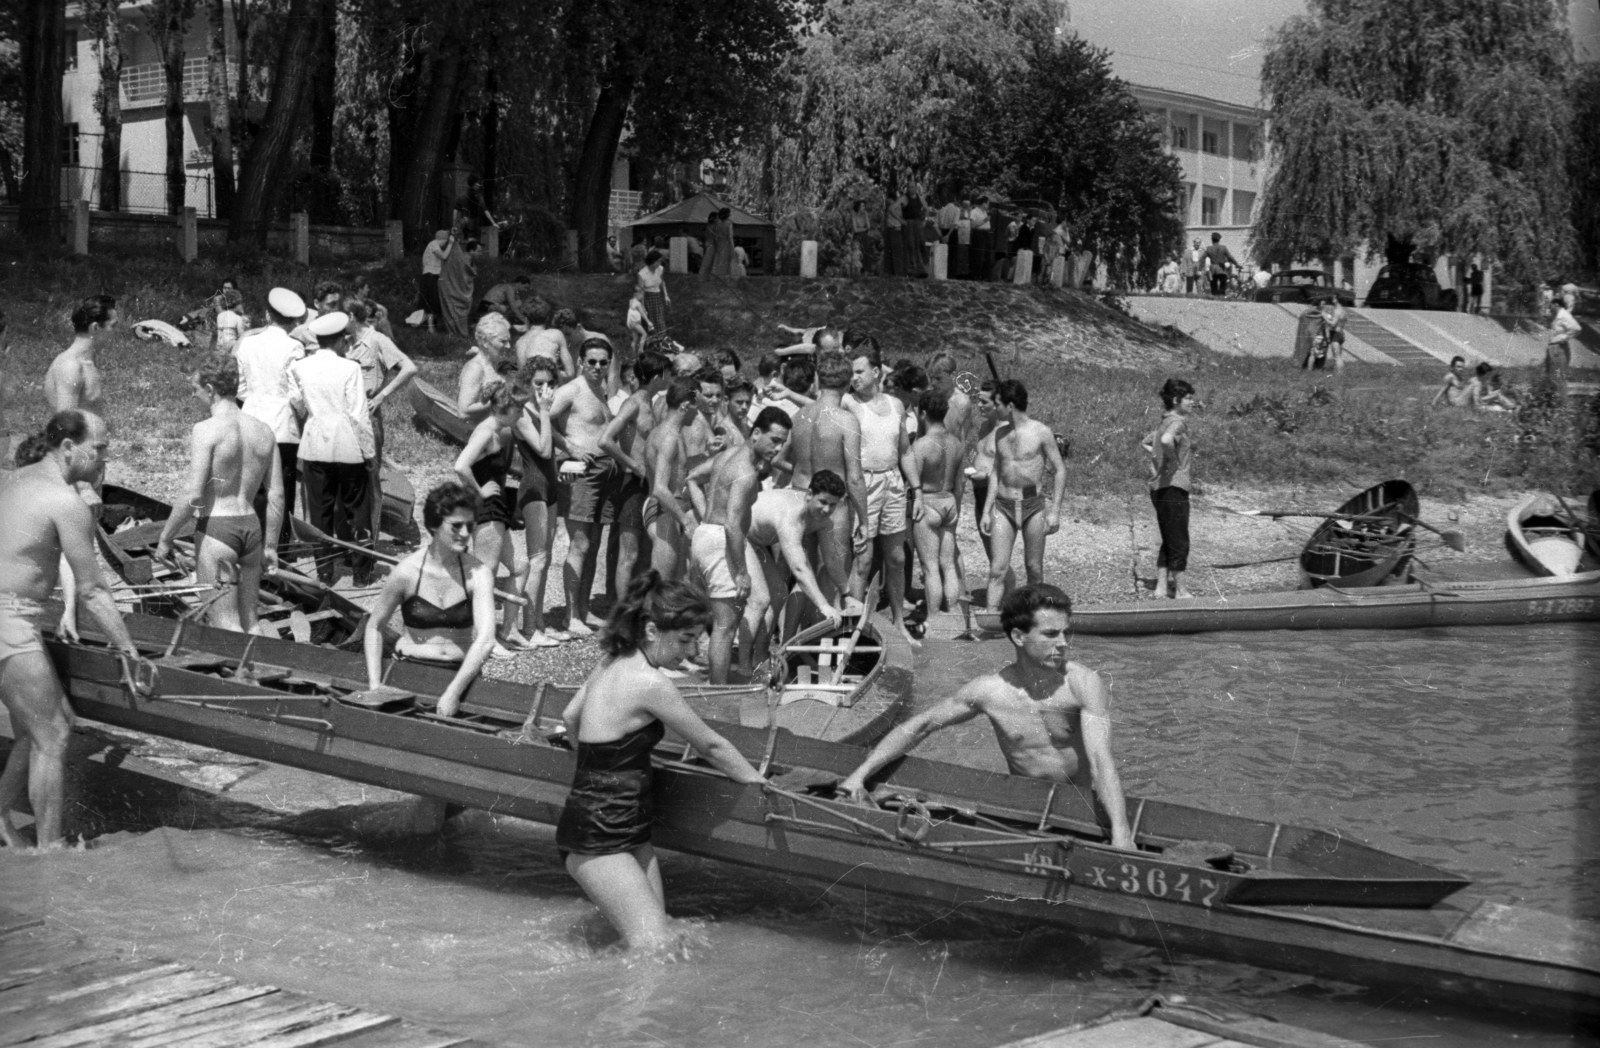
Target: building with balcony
column 143, row 96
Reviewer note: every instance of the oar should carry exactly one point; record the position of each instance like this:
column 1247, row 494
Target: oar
column 387, row 558
column 1452, row 538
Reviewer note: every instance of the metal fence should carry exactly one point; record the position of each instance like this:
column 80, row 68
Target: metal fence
column 143, row 192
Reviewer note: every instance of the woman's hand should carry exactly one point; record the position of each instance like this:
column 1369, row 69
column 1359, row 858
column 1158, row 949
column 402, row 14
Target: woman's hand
column 489, row 490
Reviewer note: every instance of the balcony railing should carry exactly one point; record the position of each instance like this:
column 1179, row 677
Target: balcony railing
column 146, row 85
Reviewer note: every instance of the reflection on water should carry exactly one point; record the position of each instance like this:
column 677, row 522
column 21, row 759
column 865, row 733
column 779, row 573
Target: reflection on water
column 1456, row 748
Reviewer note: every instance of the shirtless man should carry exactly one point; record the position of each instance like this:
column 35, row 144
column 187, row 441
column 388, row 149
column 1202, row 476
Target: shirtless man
column 784, row 522
column 712, row 401
column 231, row 456
column 1024, row 449
column 942, row 377
column 827, row 436
column 541, row 340
column 1457, row 388
column 580, row 415
column 73, row 380
column 42, row 522
column 722, row 555
column 1051, row 717
column 624, row 439
column 668, row 511
column 481, row 372
column 887, row 464
column 940, row 456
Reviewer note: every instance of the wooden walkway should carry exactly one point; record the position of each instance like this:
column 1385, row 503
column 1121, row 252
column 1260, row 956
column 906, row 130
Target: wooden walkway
column 1158, row 1024
column 58, row 992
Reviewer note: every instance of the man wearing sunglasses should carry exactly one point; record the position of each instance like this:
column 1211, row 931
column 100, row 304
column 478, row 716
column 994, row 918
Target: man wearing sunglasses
column 580, row 416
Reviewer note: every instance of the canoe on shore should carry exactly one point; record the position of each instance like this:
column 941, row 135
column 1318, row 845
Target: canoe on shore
column 1280, row 896
column 1413, row 605
column 1366, row 541
column 436, row 411
column 1550, row 539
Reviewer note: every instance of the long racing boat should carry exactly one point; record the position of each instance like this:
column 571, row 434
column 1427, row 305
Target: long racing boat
column 1281, row 896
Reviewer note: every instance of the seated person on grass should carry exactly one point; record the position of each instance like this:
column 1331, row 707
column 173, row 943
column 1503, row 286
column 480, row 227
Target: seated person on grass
column 1457, row 389
column 1488, row 394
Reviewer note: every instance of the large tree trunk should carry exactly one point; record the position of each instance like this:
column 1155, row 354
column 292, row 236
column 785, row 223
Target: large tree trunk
column 591, row 201
column 261, row 175
column 419, row 198
column 108, row 100
column 491, row 142
column 221, row 109
column 43, row 63
column 324, row 101
column 177, row 180
column 402, row 115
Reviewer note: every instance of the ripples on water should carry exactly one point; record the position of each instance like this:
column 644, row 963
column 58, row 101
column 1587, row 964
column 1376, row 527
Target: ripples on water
column 1457, row 748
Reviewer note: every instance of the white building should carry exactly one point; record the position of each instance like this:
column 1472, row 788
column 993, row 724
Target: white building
column 144, row 134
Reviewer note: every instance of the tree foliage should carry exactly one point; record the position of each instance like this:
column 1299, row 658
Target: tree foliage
column 1440, row 127
column 1584, row 164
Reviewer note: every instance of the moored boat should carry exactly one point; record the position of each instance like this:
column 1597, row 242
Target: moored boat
column 438, row 412
column 1281, row 896
column 1549, row 538
column 1366, row 541
column 1413, row 605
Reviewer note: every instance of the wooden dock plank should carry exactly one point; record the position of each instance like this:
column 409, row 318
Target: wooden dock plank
column 114, row 1003
column 155, row 1020
column 59, row 987
column 307, row 1014
column 330, row 1032
column 1144, row 1032
column 204, row 1024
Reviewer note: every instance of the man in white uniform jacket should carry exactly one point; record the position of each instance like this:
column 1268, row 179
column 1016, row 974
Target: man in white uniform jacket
column 335, row 444
column 264, row 357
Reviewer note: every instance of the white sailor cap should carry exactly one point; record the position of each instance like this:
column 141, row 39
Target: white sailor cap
column 286, row 303
column 329, row 324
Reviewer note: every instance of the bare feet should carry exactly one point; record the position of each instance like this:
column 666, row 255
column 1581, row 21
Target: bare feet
column 906, row 633
column 579, row 628
column 540, row 639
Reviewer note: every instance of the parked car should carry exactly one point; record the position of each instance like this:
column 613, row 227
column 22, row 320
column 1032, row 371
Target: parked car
column 1302, row 285
column 1409, row 285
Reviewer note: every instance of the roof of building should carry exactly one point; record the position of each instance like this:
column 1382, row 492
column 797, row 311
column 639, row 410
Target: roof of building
column 697, row 209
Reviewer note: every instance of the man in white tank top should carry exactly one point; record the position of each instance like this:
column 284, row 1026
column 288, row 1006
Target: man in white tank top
column 887, row 465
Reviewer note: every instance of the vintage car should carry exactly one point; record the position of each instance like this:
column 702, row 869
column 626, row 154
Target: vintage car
column 1409, row 285
column 1302, row 285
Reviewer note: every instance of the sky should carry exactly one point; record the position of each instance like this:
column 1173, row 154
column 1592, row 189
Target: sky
column 1213, row 48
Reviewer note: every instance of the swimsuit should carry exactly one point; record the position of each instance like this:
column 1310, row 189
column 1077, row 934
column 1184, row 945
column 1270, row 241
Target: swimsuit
column 940, row 509
column 538, row 477
column 625, row 502
column 653, row 510
column 19, row 626
column 608, row 811
column 1032, row 504
column 591, row 500
column 496, row 509
column 708, row 549
column 240, row 533
column 418, row 612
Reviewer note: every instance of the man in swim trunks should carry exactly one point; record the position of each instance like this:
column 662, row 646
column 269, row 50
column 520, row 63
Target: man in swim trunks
column 74, row 381
column 889, row 473
column 42, row 522
column 827, row 436
column 231, row 456
column 1024, row 450
column 668, row 518
column 940, row 457
column 721, row 552
column 580, row 415
column 624, row 439
column 1051, row 717
column 785, row 524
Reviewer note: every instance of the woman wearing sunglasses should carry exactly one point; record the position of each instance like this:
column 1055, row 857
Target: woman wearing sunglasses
column 445, row 596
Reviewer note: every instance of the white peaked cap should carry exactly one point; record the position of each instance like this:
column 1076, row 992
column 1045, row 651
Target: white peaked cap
column 286, row 303
column 329, row 324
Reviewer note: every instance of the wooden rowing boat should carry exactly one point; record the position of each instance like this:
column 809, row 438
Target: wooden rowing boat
column 292, row 604
column 1366, row 541
column 438, row 412
column 1548, row 538
column 1413, row 605
column 1276, row 895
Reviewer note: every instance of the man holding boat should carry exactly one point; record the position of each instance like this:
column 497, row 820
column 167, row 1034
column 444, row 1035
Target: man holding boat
column 1051, row 717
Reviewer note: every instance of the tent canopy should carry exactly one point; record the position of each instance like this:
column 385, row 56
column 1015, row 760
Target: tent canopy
column 696, row 210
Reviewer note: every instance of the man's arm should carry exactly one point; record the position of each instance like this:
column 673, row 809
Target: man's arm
column 74, row 531
column 697, row 495
column 400, row 368
column 1096, row 722
column 1052, row 455
column 855, row 478
column 666, row 461
column 612, row 433
column 275, row 501
column 741, row 498
column 910, row 469
column 792, row 540
column 908, row 734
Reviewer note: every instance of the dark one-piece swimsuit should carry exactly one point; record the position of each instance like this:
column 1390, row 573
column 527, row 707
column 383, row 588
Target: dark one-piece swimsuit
column 608, row 811
column 496, row 509
column 418, row 612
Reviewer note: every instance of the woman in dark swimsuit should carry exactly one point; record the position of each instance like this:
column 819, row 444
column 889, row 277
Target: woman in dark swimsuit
column 445, row 596
column 538, row 496
column 618, row 716
column 483, row 466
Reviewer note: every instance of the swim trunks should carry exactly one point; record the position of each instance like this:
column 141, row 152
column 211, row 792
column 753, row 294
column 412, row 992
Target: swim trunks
column 609, row 810
column 625, row 502
column 589, row 499
column 240, row 533
column 886, row 502
column 19, row 626
column 653, row 511
column 1031, row 506
column 940, row 509
column 708, row 549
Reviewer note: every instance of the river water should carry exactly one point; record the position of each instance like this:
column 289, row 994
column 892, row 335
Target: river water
column 1469, row 749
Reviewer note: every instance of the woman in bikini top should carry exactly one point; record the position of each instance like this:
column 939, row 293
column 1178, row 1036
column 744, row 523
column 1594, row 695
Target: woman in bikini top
column 458, row 634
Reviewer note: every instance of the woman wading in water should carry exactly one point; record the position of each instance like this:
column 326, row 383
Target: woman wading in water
column 614, row 722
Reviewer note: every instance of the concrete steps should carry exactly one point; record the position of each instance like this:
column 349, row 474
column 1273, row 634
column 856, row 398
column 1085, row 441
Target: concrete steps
column 1401, row 350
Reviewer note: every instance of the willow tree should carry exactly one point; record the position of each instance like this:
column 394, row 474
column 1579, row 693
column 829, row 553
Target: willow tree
column 1411, row 125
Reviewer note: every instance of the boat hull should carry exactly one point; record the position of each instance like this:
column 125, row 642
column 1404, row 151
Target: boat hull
column 1352, row 553
column 1483, row 952
column 1575, row 598
column 438, row 412
column 1551, row 540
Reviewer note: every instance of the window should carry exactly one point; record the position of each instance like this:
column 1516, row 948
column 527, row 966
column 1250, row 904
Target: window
column 1182, row 131
column 69, row 50
column 1211, row 201
column 69, row 145
column 1188, row 202
column 1243, row 204
column 1244, row 142
column 1214, row 137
